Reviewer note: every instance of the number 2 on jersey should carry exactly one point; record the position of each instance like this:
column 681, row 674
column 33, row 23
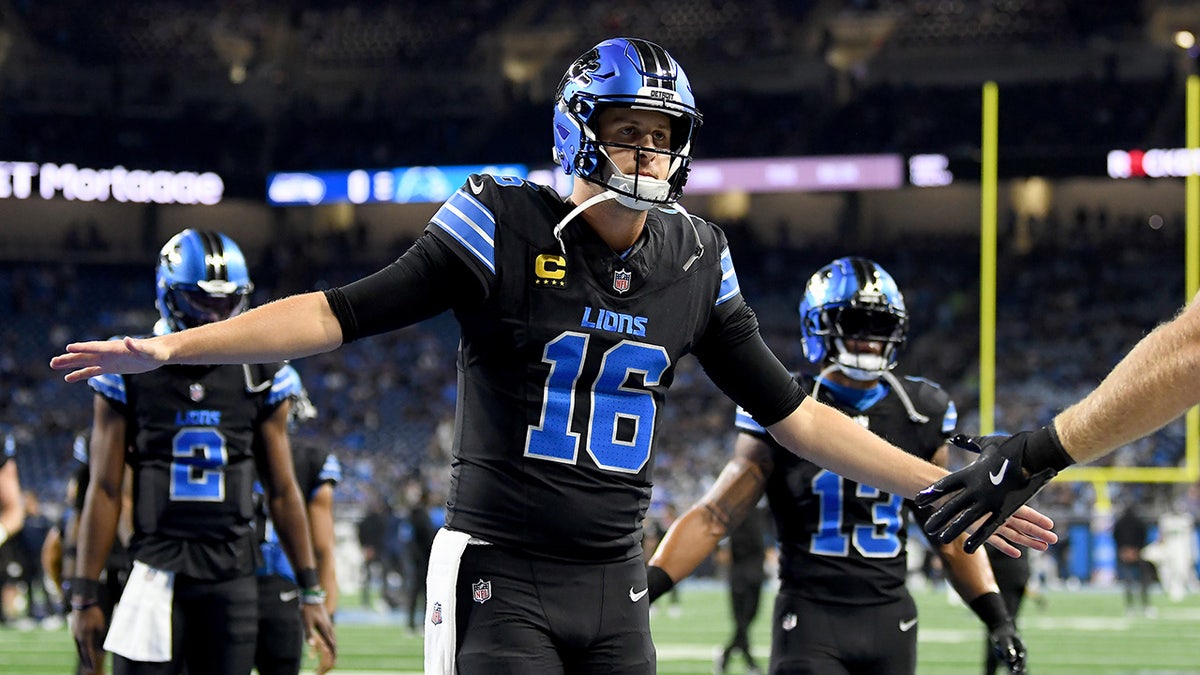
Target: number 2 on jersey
column 197, row 473
column 620, row 422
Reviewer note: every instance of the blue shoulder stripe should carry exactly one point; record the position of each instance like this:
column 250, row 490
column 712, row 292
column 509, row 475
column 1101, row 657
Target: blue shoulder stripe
column 471, row 224
column 79, row 450
column 729, row 280
column 744, row 422
column 110, row 386
column 950, row 420
column 331, row 470
column 286, row 384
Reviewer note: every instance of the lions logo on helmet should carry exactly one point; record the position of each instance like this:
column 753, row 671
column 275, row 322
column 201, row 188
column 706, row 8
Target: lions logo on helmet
column 201, row 278
column 853, row 299
column 633, row 73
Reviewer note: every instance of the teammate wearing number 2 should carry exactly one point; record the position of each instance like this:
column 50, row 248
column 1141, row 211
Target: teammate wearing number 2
column 193, row 436
column 574, row 314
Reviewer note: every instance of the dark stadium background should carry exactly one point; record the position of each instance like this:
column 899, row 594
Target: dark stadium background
column 243, row 89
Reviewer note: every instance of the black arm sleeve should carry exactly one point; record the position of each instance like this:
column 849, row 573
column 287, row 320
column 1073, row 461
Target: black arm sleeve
column 741, row 365
column 427, row 280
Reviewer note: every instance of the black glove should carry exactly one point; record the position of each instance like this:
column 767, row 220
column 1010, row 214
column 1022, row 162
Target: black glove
column 1009, row 472
column 1008, row 647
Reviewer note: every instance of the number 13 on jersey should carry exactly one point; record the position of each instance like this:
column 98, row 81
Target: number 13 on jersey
column 620, row 417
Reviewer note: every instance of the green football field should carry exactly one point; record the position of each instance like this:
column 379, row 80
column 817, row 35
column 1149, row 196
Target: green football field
column 1075, row 632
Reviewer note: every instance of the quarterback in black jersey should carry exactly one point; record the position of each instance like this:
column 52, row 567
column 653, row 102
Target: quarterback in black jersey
column 194, row 437
column 280, row 632
column 574, row 314
column 843, row 606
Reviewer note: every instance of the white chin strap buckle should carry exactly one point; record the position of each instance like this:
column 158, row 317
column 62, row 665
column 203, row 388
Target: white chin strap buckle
column 861, row 367
column 650, row 191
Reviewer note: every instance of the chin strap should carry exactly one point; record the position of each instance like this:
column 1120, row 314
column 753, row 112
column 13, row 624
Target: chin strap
column 908, row 404
column 587, row 204
column 699, row 252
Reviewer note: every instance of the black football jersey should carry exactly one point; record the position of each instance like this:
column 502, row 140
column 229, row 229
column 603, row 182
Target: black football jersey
column 314, row 466
column 842, row 541
column 564, row 362
column 192, row 433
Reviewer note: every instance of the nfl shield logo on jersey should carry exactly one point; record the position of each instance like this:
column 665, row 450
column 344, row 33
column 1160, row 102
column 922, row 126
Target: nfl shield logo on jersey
column 482, row 591
column 435, row 616
column 196, row 392
column 621, row 280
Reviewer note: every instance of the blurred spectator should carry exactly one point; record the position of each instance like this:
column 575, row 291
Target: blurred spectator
column 1130, row 534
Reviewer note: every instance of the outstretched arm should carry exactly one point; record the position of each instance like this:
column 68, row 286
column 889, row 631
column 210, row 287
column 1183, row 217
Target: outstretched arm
column 832, row 440
column 1154, row 384
column 695, row 534
column 297, row 326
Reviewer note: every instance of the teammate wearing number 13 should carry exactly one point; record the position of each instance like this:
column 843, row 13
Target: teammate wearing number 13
column 574, row 314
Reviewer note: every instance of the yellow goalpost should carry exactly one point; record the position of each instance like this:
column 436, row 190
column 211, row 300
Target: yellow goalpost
column 1099, row 475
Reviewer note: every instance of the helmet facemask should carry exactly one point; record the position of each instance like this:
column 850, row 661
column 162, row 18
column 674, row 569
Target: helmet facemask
column 856, row 326
column 853, row 318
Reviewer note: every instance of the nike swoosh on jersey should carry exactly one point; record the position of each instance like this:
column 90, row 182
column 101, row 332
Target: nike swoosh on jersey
column 999, row 475
column 906, row 625
column 288, row 596
column 638, row 595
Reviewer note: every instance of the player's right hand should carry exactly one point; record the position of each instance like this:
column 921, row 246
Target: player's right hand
column 101, row 357
column 987, row 491
column 87, row 627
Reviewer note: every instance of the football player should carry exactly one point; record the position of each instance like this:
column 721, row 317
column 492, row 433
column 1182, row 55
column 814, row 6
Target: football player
column 193, row 436
column 574, row 314
column 280, row 631
column 843, row 606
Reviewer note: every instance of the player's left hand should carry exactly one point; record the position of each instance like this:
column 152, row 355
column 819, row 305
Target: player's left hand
column 1006, row 644
column 983, row 495
column 318, row 630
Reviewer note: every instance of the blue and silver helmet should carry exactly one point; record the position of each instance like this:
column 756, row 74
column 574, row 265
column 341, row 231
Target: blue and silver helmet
column 633, row 73
column 201, row 278
column 853, row 299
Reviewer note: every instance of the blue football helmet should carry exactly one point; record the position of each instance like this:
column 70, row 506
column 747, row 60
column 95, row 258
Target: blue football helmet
column 853, row 299
column 201, row 278
column 633, row 73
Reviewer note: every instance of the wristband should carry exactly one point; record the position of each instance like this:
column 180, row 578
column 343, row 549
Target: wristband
column 658, row 581
column 84, row 592
column 1043, row 451
column 308, row 578
column 312, row 596
column 79, row 606
column 991, row 610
